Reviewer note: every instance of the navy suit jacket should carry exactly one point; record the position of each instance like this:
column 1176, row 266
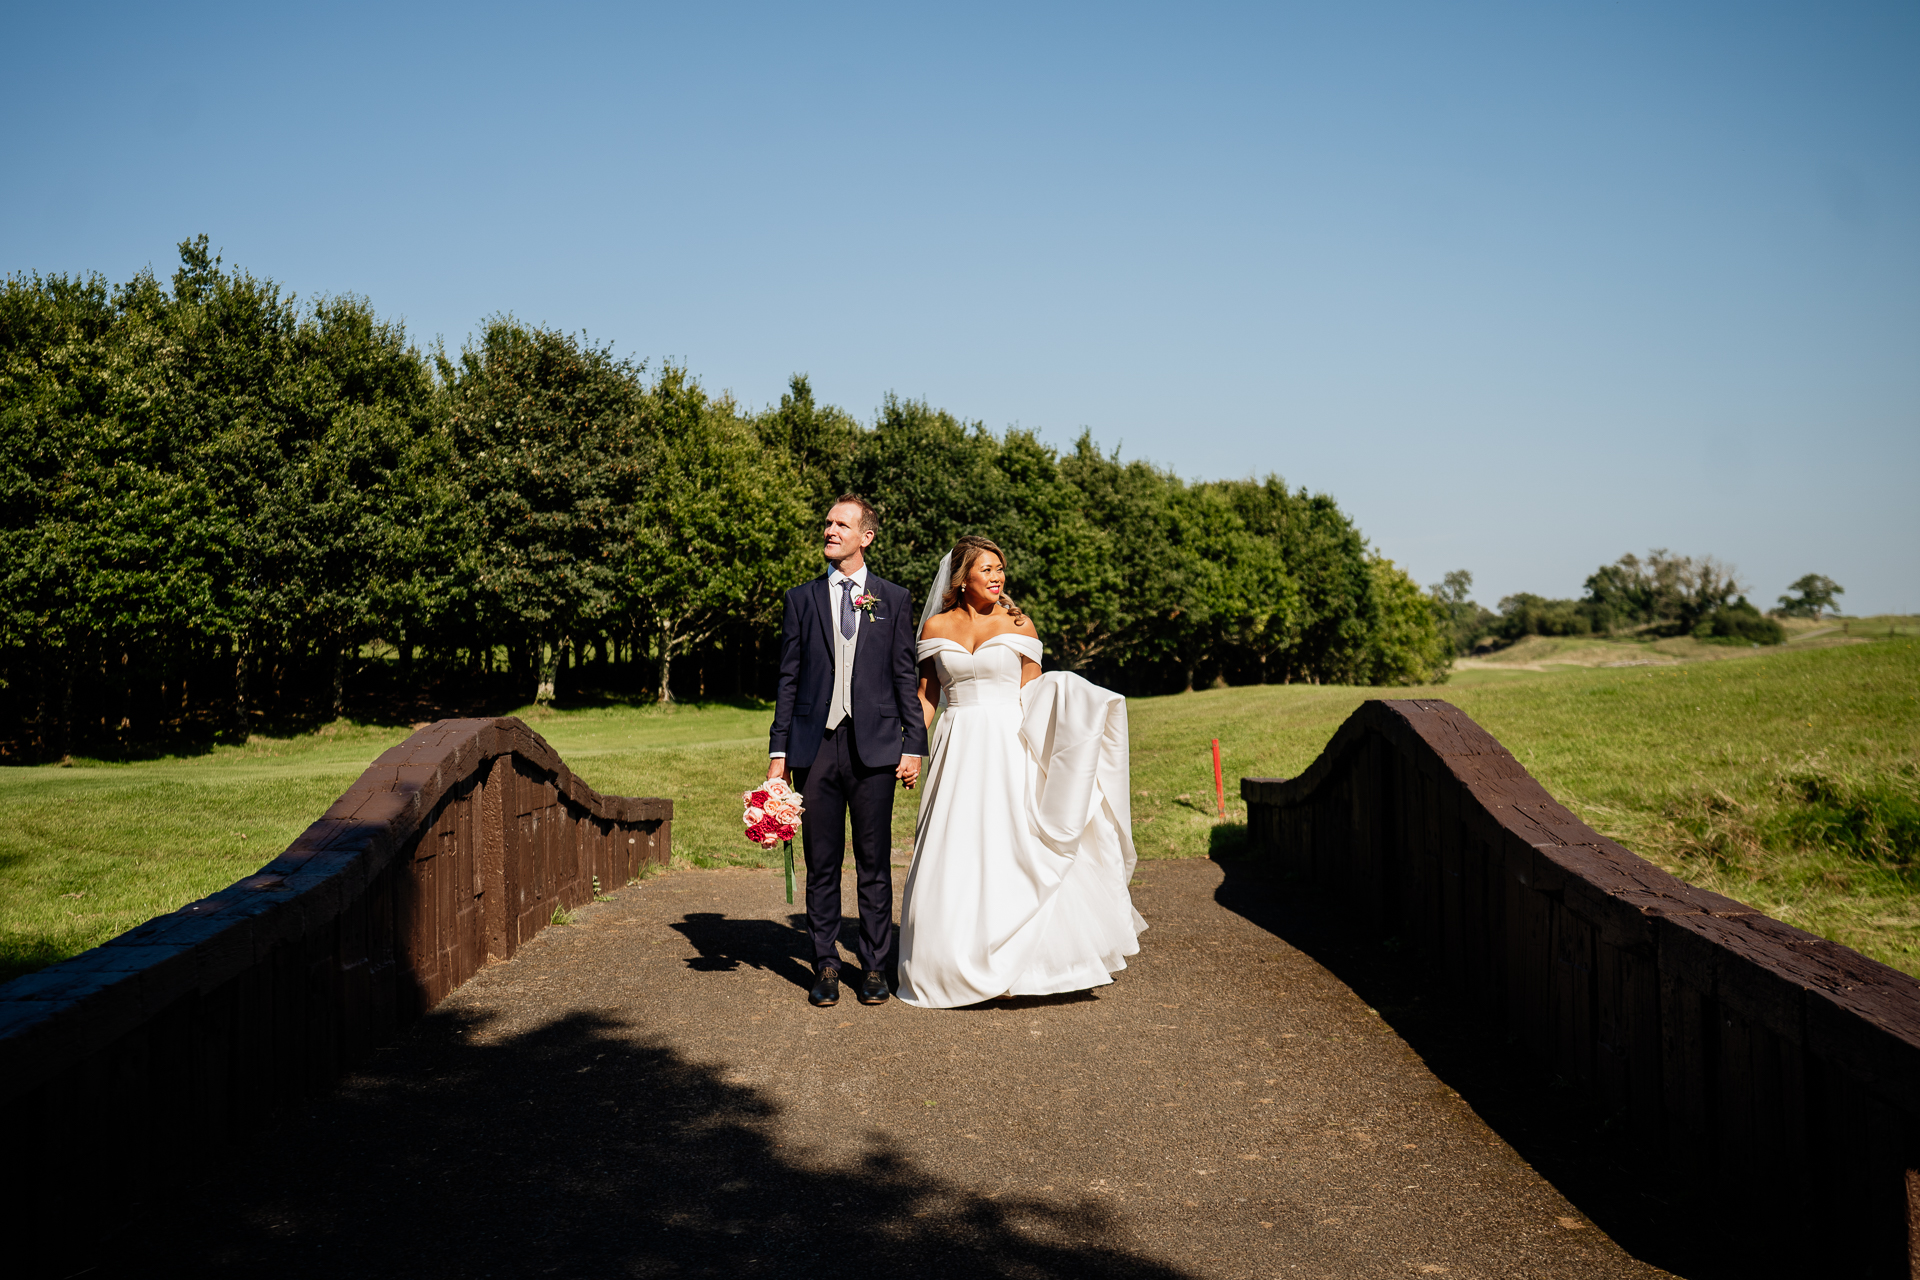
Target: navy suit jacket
column 887, row 722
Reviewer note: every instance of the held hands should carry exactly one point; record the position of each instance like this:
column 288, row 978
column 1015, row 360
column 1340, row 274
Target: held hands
column 908, row 772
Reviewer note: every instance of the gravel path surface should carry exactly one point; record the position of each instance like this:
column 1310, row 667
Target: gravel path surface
column 647, row 1092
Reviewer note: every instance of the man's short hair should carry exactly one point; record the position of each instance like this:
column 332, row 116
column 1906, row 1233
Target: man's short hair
column 869, row 518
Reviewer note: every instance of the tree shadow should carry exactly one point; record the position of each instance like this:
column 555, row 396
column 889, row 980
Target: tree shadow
column 580, row 1148
column 1554, row 1124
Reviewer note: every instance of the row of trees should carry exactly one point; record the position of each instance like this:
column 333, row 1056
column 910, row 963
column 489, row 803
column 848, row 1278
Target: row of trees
column 222, row 509
column 1664, row 594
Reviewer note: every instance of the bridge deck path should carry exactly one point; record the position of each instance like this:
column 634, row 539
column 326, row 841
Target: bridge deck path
column 647, row 1093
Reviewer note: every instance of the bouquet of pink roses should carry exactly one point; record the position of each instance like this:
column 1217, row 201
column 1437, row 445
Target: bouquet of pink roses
column 773, row 812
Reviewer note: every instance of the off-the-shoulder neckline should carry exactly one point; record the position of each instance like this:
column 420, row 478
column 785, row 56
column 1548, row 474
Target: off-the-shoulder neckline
column 1004, row 635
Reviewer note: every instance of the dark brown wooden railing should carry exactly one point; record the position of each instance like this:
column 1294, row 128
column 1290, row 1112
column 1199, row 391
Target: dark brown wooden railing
column 1775, row 1067
column 124, row 1069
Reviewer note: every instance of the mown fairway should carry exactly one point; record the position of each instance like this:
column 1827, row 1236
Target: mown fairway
column 1789, row 779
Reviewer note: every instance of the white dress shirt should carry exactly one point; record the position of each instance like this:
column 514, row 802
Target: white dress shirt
column 840, row 706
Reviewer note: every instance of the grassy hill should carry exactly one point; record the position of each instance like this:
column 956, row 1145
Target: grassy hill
column 1788, row 778
column 1542, row 653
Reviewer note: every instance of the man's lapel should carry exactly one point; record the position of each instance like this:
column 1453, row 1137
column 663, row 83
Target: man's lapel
column 823, row 605
column 880, row 613
column 875, row 584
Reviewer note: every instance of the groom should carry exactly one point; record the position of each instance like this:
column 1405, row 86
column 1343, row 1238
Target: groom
column 846, row 724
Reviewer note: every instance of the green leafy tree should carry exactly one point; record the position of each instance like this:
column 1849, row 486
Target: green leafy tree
column 1408, row 641
column 336, row 542
column 287, row 436
column 144, row 528
column 1326, row 557
column 932, row 478
column 1738, row 622
column 556, row 441
column 726, row 525
column 219, row 503
column 1666, row 590
column 1161, row 586
column 1263, row 619
column 1526, row 614
column 1811, row 595
column 1061, row 568
column 1227, row 578
column 818, row 439
column 1466, row 621
column 55, row 416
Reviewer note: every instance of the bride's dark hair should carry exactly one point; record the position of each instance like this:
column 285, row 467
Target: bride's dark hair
column 960, row 563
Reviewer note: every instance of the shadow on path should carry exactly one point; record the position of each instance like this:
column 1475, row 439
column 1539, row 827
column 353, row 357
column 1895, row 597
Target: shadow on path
column 1551, row 1123
column 726, row 943
column 583, row 1148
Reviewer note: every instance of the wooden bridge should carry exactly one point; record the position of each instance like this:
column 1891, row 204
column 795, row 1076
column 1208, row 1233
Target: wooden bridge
column 1430, row 1024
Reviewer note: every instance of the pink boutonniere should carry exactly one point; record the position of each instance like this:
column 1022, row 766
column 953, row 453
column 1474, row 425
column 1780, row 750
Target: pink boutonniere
column 865, row 603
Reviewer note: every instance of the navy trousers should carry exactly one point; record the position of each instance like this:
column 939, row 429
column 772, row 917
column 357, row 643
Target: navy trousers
column 837, row 787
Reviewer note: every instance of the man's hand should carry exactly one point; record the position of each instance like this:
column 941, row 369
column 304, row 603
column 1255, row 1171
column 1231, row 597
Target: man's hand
column 777, row 768
column 909, row 771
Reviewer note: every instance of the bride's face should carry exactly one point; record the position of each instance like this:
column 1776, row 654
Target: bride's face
column 986, row 579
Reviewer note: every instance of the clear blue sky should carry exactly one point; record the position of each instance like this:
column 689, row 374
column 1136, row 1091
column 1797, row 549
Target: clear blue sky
column 1524, row 286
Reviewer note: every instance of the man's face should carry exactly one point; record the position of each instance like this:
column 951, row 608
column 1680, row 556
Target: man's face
column 843, row 535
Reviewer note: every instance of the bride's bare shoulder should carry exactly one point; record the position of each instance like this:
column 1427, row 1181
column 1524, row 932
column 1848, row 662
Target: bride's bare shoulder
column 1024, row 625
column 939, row 627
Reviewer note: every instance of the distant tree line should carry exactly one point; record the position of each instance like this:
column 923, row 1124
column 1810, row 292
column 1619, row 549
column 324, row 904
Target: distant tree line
column 223, row 510
column 1663, row 595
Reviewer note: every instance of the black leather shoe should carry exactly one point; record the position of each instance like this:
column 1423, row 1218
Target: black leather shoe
column 873, row 988
column 826, row 988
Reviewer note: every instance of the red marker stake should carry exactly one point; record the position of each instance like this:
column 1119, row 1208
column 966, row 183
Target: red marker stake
column 1219, row 786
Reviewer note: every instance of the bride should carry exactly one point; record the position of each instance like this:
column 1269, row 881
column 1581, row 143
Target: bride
column 1024, row 847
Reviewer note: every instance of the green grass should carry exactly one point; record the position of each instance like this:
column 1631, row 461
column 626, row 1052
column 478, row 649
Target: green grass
column 1789, row 779
column 91, row 851
column 1783, row 777
column 1880, row 626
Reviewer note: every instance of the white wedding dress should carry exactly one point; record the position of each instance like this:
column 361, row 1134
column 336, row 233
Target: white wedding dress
column 1024, row 847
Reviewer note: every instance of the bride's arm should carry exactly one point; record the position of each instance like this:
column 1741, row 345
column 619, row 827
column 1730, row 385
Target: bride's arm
column 1029, row 669
column 935, row 627
column 929, row 687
